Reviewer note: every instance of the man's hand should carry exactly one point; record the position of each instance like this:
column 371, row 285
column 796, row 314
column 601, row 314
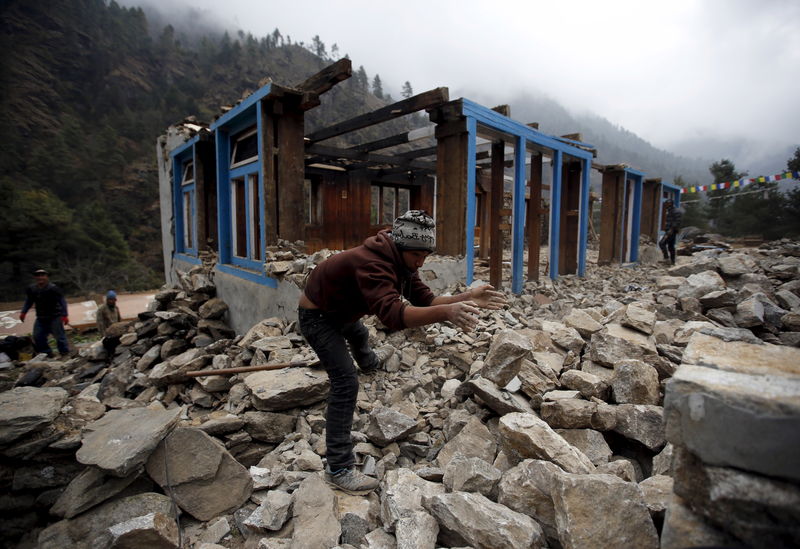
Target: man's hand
column 65, row 320
column 22, row 317
column 463, row 314
column 486, row 297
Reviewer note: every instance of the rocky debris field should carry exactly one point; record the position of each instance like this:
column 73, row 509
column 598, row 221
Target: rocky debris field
column 640, row 406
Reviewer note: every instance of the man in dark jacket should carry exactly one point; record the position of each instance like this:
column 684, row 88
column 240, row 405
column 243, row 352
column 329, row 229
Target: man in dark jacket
column 672, row 224
column 379, row 277
column 51, row 313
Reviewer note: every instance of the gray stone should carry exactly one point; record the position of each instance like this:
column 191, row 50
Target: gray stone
column 700, row 284
column 277, row 390
column 473, row 519
column 208, row 484
column 150, row 357
column 791, row 321
column 736, row 265
column 788, row 300
column 601, row 511
column 662, row 462
column 657, row 492
column 465, row 474
column 620, row 468
column 269, row 426
column 670, row 282
column 759, row 511
column 738, row 419
column 418, row 530
column 153, row 530
column 536, row 379
column 174, row 370
column 697, row 265
column 527, row 489
column 718, row 298
column 473, row 440
column 749, row 313
column 526, row 436
column 582, row 322
column 587, row 383
column 618, row 344
column 88, row 489
column 213, row 308
column 643, row 423
column 635, row 382
column 683, row 528
column 121, row 441
column 564, row 336
column 173, row 347
column 502, row 362
column 638, row 317
column 272, row 513
column 738, row 356
column 316, row 521
column 590, row 442
column 91, row 529
column 570, row 413
column 25, row 409
column 499, row 400
column 379, row 539
column 387, row 425
column 402, row 492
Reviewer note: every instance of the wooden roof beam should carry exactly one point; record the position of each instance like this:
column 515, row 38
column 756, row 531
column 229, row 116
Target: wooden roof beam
column 369, row 158
column 424, row 100
column 327, row 78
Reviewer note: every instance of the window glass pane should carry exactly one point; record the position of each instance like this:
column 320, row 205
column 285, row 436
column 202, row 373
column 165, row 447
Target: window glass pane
column 374, row 204
column 238, row 218
column 188, row 225
column 389, row 203
column 403, row 201
column 245, row 146
column 255, row 218
column 188, row 172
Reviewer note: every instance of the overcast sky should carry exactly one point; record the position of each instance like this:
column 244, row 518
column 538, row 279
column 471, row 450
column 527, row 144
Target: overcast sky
column 668, row 71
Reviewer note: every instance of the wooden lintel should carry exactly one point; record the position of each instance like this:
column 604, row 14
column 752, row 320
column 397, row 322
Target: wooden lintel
column 452, row 127
column 505, row 110
column 384, row 143
column 574, row 136
column 328, row 77
column 447, row 112
column 417, row 153
column 496, row 205
column 371, row 158
column 534, row 125
column 416, row 103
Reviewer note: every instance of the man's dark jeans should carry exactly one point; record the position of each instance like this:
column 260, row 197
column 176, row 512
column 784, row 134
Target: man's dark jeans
column 43, row 327
column 667, row 245
column 330, row 340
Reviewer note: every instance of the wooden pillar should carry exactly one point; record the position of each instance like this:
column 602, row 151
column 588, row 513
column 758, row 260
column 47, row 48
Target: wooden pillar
column 496, row 236
column 611, row 222
column 534, row 216
column 650, row 207
column 484, row 212
column 289, row 144
column 570, row 210
column 451, row 188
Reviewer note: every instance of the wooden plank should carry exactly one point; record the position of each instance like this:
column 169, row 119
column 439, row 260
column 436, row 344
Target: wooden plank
column 495, row 235
column 534, row 217
column 418, row 153
column 268, row 156
column 416, row 103
column 483, row 190
column 570, row 206
column 609, row 217
column 384, row 143
column 368, row 158
column 328, row 77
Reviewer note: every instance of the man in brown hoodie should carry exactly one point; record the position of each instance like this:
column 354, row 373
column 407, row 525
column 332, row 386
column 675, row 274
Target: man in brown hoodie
column 379, row 277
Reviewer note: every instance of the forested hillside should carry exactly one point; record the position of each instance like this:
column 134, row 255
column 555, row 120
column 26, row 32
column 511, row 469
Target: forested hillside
column 87, row 86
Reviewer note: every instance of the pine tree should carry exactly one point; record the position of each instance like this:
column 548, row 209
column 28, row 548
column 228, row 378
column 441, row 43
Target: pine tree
column 407, row 90
column 377, row 87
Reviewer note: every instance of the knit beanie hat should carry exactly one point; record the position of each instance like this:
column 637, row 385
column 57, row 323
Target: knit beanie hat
column 414, row 230
column 111, row 294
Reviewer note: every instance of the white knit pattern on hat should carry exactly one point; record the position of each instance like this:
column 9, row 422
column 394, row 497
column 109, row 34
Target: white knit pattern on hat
column 414, row 230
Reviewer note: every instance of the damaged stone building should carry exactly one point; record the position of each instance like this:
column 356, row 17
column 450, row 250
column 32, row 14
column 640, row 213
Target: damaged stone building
column 605, row 406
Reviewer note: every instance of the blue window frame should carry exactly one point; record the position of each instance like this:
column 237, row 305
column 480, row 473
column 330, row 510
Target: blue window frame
column 184, row 196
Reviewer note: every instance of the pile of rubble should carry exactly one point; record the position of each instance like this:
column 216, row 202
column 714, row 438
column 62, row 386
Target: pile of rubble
column 564, row 421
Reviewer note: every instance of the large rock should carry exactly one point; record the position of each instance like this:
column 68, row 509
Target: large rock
column 639, row 317
column 153, row 530
column 589, row 385
column 527, row 436
column 564, row 336
column 402, row 493
column 536, row 378
column 272, row 513
column 749, row 313
column 122, row 440
column 316, row 520
column 590, row 442
column 203, row 477
column 601, row 511
column 758, row 510
column 683, row 528
column 213, row 308
column 88, row 489
column 505, row 353
column 643, row 423
column 288, row 388
column 25, row 409
column 635, row 382
column 499, row 400
column 619, row 343
column 418, row 530
column 700, row 284
column 527, row 489
column 387, row 425
column 473, row 474
column 736, row 265
column 738, row 356
column 581, row 321
column 697, row 265
column 473, row 519
column 91, row 529
column 473, row 440
column 743, row 420
column 268, row 426
column 568, row 413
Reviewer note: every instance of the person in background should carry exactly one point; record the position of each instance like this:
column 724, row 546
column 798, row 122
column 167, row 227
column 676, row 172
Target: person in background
column 672, row 224
column 108, row 313
column 51, row 313
column 379, row 277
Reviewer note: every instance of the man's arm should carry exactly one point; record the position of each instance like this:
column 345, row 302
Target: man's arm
column 27, row 306
column 462, row 313
column 484, row 297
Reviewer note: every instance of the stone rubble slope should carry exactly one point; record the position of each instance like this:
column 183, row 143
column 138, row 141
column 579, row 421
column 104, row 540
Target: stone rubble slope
column 640, row 406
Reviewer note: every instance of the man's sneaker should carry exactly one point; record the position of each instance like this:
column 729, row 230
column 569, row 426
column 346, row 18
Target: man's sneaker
column 352, row 481
column 382, row 354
